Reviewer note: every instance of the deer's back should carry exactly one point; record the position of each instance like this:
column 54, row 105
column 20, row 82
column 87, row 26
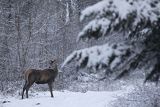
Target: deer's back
column 40, row 76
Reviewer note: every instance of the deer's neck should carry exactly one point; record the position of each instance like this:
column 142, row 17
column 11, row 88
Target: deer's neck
column 54, row 67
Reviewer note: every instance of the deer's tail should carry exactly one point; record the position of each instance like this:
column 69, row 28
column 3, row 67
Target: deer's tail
column 26, row 74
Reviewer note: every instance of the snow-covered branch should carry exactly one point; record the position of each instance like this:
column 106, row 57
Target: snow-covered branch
column 98, row 57
column 94, row 28
column 67, row 13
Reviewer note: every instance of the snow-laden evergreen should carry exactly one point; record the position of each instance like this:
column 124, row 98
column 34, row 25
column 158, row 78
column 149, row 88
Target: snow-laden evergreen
column 135, row 20
column 111, row 13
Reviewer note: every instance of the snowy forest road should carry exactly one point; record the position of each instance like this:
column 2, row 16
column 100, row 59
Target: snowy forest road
column 68, row 99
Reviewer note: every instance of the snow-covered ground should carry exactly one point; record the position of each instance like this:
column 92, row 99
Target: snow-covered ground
column 67, row 99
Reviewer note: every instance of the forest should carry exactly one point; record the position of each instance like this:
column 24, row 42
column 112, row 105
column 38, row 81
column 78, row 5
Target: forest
column 110, row 46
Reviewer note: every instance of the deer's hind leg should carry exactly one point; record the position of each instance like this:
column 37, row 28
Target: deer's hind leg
column 31, row 80
column 29, row 84
column 24, row 88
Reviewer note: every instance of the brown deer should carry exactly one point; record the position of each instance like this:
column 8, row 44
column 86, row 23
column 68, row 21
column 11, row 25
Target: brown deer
column 46, row 76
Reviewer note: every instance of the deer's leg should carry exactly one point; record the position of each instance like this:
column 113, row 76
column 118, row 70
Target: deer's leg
column 24, row 88
column 27, row 87
column 50, row 88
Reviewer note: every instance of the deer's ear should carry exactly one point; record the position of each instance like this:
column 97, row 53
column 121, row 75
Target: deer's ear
column 54, row 61
column 51, row 62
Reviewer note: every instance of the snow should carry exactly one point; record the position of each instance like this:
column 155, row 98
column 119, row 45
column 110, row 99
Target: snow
column 59, row 70
column 67, row 13
column 123, row 7
column 68, row 99
column 69, row 58
column 98, row 55
column 94, row 26
column 115, row 11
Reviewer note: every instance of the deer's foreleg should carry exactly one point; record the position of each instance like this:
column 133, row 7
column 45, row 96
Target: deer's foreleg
column 50, row 88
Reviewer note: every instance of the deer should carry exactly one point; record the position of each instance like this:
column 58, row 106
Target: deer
column 45, row 76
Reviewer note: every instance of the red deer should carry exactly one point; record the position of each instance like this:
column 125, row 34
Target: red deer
column 46, row 76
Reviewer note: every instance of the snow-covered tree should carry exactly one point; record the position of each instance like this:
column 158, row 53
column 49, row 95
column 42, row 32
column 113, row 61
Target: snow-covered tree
column 135, row 20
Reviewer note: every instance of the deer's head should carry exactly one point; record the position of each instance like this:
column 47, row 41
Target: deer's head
column 53, row 63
